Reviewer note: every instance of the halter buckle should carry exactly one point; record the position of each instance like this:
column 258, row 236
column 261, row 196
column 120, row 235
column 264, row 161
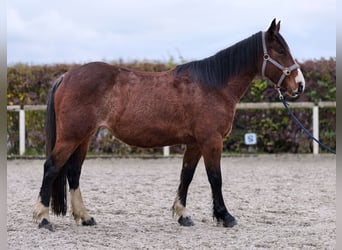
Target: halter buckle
column 287, row 71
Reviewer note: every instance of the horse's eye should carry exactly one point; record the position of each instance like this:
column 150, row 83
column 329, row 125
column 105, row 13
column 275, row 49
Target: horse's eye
column 281, row 51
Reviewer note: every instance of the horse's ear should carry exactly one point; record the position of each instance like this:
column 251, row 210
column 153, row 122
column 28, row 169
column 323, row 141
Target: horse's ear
column 274, row 28
column 278, row 27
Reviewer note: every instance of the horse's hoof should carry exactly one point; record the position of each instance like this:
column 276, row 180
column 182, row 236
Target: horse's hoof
column 230, row 222
column 186, row 221
column 47, row 225
column 90, row 222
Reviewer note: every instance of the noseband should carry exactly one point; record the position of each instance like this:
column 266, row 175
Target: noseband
column 267, row 58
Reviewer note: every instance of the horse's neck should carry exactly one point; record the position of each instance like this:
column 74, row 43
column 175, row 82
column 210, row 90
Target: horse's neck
column 238, row 86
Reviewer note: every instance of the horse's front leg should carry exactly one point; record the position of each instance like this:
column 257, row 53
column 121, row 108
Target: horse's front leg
column 191, row 157
column 212, row 150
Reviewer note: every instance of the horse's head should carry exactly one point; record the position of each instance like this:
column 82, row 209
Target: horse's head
column 278, row 63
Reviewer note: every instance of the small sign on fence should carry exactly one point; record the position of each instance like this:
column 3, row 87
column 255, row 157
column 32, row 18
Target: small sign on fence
column 250, row 139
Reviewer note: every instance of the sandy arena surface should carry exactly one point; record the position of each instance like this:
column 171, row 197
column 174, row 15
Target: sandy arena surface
column 280, row 202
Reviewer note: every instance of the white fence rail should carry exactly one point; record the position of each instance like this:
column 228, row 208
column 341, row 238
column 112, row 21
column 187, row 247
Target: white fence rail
column 166, row 150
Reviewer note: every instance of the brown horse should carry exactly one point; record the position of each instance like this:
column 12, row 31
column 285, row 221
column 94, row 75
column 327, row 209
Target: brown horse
column 193, row 104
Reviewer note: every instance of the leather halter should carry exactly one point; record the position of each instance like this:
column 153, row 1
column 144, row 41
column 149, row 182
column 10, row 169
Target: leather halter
column 267, row 58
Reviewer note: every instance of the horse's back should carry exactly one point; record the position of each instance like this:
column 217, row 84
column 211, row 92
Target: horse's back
column 87, row 82
column 90, row 73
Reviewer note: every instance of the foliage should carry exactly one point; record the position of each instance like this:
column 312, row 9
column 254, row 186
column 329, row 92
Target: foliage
column 29, row 85
column 320, row 76
column 276, row 132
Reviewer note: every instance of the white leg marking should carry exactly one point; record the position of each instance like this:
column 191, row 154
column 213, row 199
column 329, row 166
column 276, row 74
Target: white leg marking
column 178, row 208
column 40, row 211
column 77, row 207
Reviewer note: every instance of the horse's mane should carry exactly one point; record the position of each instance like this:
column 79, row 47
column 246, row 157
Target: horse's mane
column 216, row 70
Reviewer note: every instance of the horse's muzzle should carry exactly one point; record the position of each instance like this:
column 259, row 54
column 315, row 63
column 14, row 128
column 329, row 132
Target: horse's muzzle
column 301, row 87
column 300, row 81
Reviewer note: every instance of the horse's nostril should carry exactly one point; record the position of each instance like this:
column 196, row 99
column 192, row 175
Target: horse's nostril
column 300, row 87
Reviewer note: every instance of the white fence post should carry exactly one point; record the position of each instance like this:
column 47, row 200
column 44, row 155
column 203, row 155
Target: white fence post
column 21, row 131
column 166, row 151
column 315, row 126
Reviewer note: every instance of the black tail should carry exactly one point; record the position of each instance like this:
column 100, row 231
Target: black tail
column 50, row 123
column 59, row 192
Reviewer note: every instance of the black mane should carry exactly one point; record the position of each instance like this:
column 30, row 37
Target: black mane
column 216, row 70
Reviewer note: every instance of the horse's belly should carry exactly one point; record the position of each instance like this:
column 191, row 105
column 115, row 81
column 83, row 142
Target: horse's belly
column 152, row 136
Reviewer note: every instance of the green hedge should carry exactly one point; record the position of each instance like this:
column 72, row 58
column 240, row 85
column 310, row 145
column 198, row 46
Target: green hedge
column 276, row 132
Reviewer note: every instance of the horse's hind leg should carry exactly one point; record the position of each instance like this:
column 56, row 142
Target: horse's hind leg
column 191, row 157
column 41, row 208
column 78, row 209
column 53, row 167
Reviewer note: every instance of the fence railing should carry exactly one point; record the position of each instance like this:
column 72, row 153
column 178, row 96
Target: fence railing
column 166, row 150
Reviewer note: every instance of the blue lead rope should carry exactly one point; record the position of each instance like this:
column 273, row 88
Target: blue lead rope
column 302, row 127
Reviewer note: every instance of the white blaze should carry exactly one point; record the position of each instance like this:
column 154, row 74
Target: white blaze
column 300, row 78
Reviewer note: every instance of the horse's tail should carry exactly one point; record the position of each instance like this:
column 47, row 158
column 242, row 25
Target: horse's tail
column 59, row 192
column 50, row 122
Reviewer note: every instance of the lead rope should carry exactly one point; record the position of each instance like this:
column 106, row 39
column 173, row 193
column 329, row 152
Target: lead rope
column 281, row 98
